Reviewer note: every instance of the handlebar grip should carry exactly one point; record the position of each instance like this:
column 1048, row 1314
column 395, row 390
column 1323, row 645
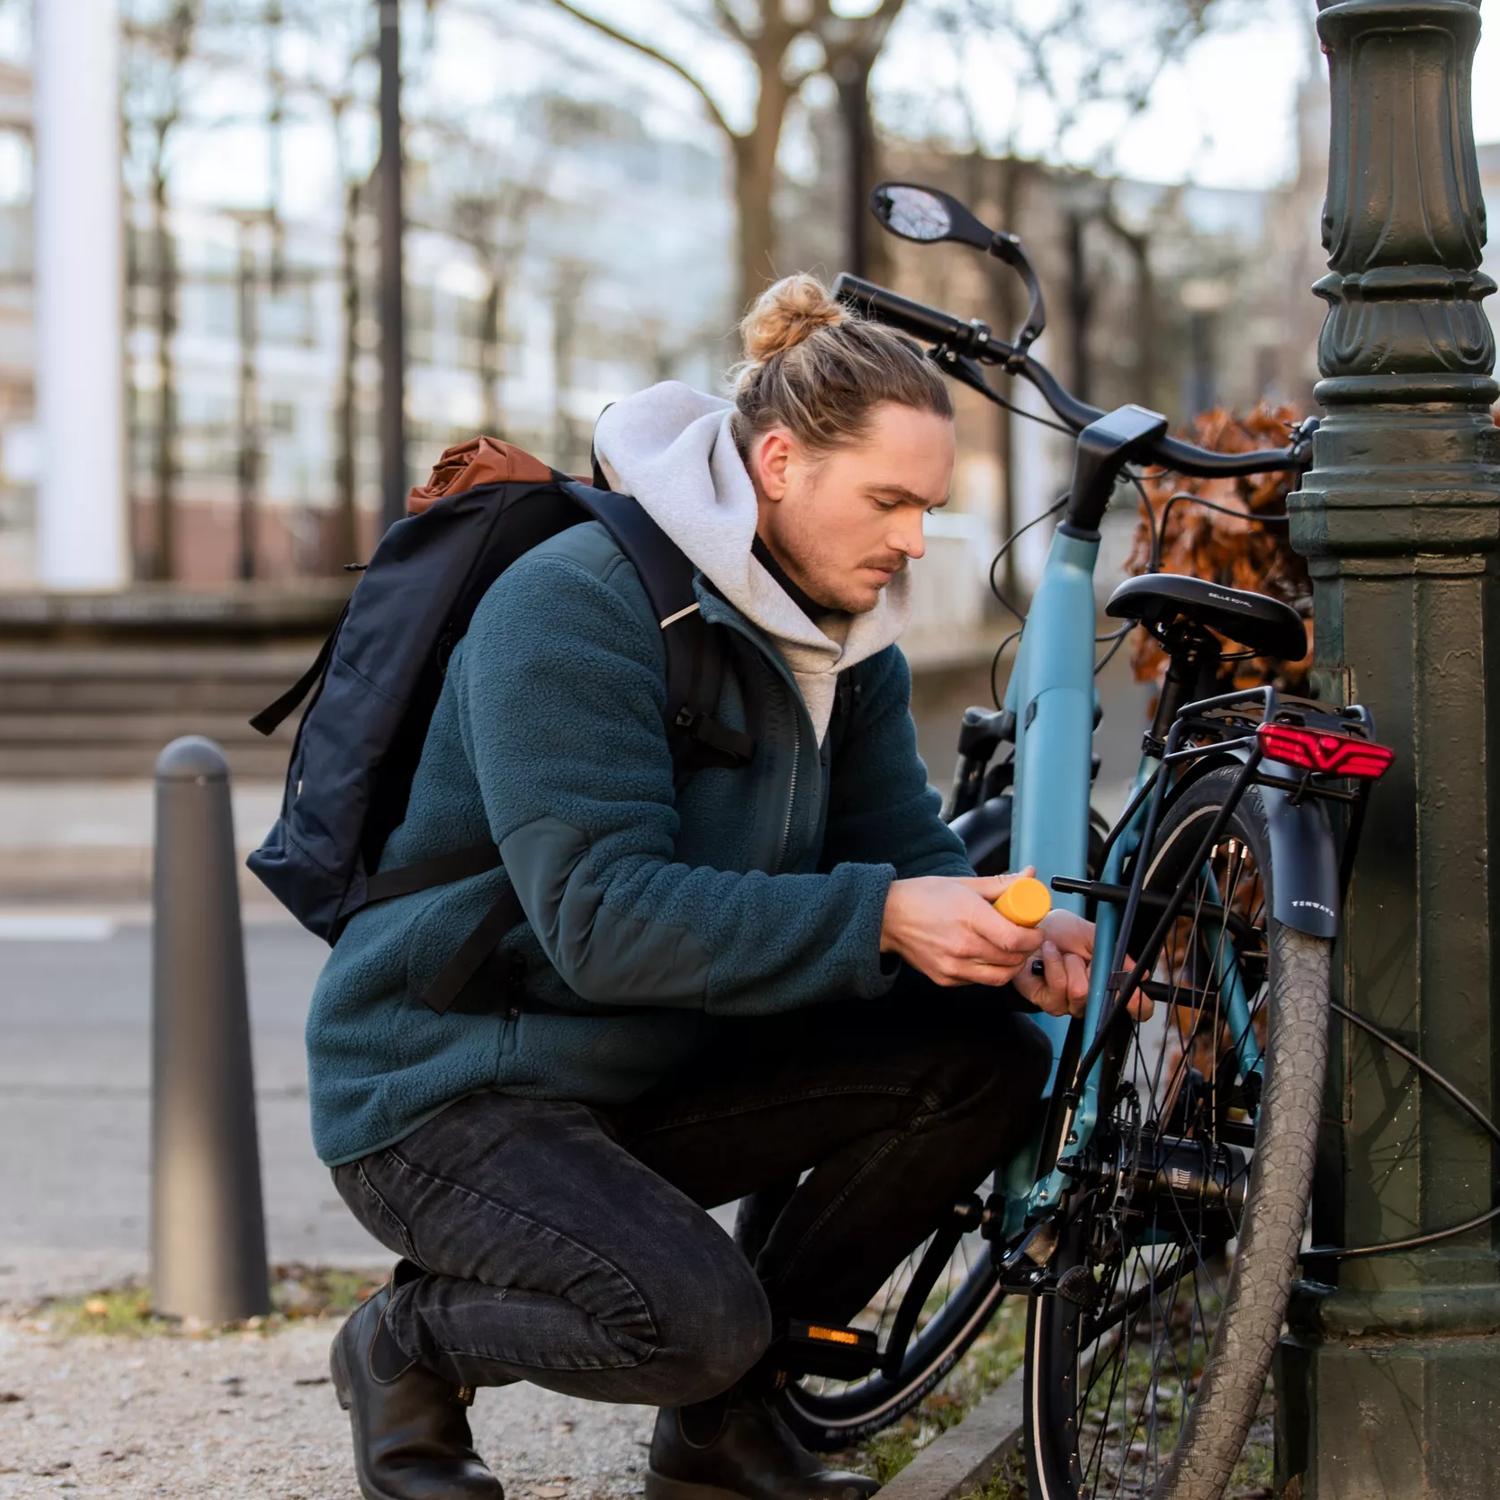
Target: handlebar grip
column 1025, row 901
column 928, row 324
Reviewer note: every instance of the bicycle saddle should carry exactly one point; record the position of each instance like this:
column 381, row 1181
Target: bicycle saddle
column 1264, row 625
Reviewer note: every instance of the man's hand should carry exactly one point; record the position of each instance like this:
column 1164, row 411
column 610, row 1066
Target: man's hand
column 947, row 927
column 1067, row 951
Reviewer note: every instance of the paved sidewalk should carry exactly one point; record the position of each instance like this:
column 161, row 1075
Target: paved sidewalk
column 253, row 1417
column 90, row 841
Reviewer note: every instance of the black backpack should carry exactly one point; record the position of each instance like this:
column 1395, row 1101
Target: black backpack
column 376, row 680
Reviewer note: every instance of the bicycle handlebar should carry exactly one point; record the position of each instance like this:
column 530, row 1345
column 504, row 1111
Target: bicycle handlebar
column 930, row 325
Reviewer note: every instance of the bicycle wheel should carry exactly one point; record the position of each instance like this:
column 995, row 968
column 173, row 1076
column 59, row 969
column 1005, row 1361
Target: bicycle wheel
column 1148, row 1367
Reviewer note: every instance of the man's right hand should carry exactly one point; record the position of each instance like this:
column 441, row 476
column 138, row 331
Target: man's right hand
column 947, row 927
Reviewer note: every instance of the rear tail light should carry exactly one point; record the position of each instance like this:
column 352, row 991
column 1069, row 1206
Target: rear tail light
column 1328, row 754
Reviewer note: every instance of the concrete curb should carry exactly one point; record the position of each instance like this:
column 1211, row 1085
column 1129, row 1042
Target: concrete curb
column 962, row 1460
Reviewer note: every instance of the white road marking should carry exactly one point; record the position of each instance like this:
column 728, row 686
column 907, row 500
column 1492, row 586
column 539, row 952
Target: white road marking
column 55, row 927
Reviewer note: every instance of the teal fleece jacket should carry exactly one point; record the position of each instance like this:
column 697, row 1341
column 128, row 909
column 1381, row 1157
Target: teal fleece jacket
column 651, row 915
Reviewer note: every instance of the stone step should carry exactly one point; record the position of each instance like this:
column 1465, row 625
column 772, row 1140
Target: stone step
column 106, row 761
column 153, row 724
column 270, row 664
column 123, row 694
column 70, row 712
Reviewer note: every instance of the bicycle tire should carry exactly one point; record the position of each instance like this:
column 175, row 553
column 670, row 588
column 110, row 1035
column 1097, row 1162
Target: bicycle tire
column 1066, row 1429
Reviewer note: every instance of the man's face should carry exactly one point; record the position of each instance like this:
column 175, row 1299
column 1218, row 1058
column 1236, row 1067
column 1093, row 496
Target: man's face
column 844, row 523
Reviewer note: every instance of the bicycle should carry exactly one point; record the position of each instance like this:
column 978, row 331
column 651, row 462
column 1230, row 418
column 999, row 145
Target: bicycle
column 1155, row 1220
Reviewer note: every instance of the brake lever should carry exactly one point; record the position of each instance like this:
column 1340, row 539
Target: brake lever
column 967, row 371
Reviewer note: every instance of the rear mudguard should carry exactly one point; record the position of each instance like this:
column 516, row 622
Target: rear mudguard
column 1304, row 853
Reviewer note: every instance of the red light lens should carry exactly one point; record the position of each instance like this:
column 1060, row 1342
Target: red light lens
column 1328, row 754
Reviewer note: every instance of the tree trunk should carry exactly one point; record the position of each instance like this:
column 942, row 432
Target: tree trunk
column 568, row 450
column 162, row 555
column 248, row 464
column 754, row 158
column 1146, row 333
column 1080, row 308
column 1006, row 316
column 866, row 250
column 491, row 329
column 345, row 539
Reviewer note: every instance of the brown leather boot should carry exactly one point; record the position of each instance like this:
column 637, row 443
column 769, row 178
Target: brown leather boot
column 737, row 1447
column 411, row 1428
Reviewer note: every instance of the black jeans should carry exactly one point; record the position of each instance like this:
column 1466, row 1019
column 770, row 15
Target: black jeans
column 568, row 1245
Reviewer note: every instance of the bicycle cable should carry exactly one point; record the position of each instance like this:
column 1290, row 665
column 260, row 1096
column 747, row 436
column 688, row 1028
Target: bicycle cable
column 1031, row 416
column 1119, row 640
column 1415, row 1242
column 1010, row 542
column 1159, row 533
column 1015, row 635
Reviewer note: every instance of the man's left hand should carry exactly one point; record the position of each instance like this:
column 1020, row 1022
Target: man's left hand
column 1062, row 988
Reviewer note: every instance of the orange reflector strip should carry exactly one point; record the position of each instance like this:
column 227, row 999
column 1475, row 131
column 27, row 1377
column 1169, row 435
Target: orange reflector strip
column 832, row 1335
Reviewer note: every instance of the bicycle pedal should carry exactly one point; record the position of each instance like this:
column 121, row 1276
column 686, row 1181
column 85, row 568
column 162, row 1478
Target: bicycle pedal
column 827, row 1349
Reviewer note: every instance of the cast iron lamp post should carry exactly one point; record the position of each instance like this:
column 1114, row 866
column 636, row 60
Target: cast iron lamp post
column 1389, row 1382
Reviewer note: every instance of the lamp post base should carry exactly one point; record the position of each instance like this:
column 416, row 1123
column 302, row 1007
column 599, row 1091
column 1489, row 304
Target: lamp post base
column 1389, row 1394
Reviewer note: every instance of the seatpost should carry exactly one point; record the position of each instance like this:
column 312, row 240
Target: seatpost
column 1187, row 650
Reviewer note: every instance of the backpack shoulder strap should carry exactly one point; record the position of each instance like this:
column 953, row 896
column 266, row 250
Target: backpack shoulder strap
column 695, row 655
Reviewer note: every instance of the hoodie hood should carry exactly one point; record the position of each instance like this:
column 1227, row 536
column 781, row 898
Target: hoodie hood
column 672, row 448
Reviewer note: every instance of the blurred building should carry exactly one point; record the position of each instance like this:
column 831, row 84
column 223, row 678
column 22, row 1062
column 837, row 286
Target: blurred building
column 590, row 256
column 523, row 317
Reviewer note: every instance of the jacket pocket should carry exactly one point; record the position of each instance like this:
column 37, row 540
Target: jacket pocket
column 369, row 1206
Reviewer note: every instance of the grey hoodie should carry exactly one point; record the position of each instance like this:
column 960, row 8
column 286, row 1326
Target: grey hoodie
column 672, row 448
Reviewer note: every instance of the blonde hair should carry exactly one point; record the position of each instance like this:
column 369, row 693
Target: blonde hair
column 816, row 368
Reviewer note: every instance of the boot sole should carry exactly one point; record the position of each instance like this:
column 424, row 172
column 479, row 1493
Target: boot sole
column 660, row 1487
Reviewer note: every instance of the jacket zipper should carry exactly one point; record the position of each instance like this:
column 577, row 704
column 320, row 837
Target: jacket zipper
column 780, row 670
column 791, row 802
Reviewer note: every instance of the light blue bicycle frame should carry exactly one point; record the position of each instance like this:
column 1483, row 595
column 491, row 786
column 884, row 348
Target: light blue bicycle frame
column 1053, row 697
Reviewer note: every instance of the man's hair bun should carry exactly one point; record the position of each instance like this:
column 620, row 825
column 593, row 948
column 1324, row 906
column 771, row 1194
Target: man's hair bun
column 787, row 312
column 819, row 370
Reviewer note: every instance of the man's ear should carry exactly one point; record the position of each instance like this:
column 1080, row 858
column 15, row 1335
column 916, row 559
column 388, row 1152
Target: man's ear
column 770, row 454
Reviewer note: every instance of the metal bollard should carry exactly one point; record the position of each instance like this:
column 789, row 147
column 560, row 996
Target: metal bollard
column 208, row 1238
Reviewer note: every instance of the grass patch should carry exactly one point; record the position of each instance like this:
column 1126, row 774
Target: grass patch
column 1008, row 1482
column 297, row 1292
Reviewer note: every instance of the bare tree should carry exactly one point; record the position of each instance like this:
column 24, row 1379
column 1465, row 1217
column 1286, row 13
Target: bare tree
column 1066, row 67
column 156, row 86
column 350, row 50
column 492, row 225
column 332, row 85
column 490, row 198
column 770, row 35
column 569, row 282
column 851, row 50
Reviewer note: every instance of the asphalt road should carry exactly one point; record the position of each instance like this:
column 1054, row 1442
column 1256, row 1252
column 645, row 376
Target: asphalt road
column 75, row 1104
column 75, row 1068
